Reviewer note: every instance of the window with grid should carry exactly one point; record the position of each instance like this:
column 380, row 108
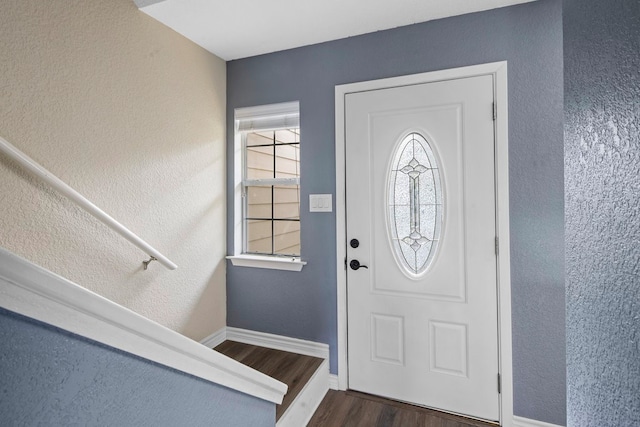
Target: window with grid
column 271, row 184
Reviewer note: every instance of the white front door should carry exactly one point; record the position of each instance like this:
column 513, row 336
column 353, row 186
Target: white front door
column 423, row 315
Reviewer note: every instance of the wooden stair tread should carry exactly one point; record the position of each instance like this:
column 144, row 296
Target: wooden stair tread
column 295, row 370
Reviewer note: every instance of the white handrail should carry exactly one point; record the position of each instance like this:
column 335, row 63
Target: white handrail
column 81, row 201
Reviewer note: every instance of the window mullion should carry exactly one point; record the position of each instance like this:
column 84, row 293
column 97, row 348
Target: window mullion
column 266, row 182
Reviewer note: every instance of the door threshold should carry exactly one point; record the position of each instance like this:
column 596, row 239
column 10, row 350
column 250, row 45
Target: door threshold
column 479, row 422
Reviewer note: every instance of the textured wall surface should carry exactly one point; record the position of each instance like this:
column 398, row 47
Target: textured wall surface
column 131, row 115
column 602, row 187
column 529, row 37
column 50, row 377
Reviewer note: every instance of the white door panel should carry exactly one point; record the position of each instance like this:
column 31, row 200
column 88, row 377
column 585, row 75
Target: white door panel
column 424, row 337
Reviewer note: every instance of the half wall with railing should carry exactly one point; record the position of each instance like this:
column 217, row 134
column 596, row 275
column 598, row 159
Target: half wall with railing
column 33, row 292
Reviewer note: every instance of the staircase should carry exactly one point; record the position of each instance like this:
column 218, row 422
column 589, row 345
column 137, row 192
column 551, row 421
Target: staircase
column 307, row 378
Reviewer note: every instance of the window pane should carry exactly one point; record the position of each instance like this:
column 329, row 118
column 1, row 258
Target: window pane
column 259, row 162
column 287, row 161
column 286, row 202
column 272, row 213
column 287, row 136
column 259, row 238
column 259, row 202
column 287, row 237
column 260, row 138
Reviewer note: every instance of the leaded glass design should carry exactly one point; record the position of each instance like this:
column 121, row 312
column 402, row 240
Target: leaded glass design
column 415, row 204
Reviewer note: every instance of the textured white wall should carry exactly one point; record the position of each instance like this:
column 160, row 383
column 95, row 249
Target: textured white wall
column 131, row 115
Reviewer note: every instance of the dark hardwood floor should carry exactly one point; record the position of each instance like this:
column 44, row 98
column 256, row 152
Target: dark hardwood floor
column 294, row 370
column 339, row 408
column 353, row 409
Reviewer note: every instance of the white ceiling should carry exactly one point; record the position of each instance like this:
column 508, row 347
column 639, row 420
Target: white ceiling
column 233, row 29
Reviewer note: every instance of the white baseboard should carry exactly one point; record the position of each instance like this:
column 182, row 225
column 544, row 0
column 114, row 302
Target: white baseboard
column 310, row 397
column 333, row 382
column 278, row 342
column 215, row 338
column 525, row 422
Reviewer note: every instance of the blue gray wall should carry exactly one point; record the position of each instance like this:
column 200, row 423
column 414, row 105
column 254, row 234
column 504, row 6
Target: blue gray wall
column 529, row 37
column 51, row 377
column 602, row 186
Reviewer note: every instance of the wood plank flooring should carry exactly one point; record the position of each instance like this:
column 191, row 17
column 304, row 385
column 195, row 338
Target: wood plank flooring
column 295, row 370
column 353, row 409
column 339, row 408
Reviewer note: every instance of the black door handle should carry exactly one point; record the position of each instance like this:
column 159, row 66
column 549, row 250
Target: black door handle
column 355, row 264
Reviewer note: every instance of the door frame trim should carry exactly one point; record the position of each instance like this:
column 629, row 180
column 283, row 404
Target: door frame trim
column 499, row 72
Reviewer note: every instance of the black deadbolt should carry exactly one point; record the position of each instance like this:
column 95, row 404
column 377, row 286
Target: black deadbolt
column 354, row 243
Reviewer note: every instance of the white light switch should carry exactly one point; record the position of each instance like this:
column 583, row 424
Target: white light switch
column 320, row 203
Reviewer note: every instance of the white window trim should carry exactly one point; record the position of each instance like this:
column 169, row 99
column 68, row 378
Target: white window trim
column 265, row 261
column 273, row 262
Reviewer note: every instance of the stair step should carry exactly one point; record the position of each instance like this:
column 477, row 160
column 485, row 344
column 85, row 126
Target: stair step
column 306, row 376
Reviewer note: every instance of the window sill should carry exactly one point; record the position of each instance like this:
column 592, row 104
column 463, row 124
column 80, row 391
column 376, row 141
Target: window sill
column 272, row 263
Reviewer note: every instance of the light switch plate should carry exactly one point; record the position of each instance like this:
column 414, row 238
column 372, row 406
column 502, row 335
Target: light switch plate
column 320, row 203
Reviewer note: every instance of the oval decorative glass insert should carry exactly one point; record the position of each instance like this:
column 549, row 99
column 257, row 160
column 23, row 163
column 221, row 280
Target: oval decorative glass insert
column 415, row 204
